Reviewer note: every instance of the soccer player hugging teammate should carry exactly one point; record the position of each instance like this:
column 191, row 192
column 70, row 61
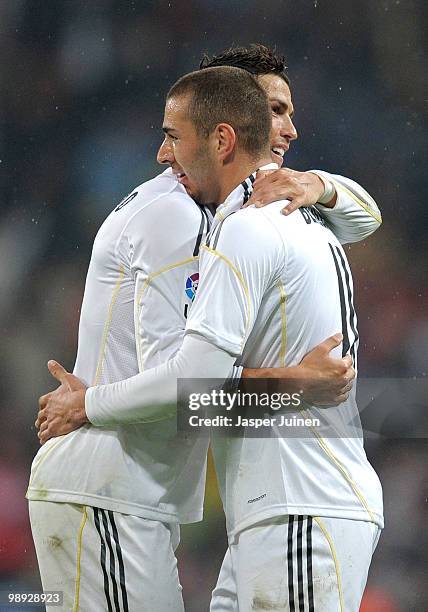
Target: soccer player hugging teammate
column 133, row 478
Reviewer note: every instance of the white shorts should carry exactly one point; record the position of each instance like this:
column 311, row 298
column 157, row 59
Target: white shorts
column 297, row 564
column 103, row 560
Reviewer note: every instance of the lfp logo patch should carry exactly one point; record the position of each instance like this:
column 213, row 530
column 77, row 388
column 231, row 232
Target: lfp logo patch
column 192, row 285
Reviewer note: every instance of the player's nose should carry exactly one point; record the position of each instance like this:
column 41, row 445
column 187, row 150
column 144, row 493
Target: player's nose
column 165, row 154
column 289, row 129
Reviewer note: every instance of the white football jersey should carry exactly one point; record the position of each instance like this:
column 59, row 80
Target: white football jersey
column 271, row 289
column 141, row 282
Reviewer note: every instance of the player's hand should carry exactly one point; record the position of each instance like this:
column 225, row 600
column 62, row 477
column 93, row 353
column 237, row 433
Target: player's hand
column 63, row 410
column 300, row 188
column 321, row 380
column 325, row 381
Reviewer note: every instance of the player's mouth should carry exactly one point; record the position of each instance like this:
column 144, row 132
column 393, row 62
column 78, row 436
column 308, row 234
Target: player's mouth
column 183, row 180
column 278, row 152
column 181, row 177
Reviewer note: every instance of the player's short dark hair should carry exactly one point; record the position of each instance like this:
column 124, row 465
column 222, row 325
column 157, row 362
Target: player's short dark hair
column 227, row 95
column 256, row 59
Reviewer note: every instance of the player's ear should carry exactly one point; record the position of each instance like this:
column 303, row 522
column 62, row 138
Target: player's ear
column 225, row 140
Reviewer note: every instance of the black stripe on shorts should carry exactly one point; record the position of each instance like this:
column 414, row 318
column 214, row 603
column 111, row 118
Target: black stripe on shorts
column 299, row 541
column 300, row 563
column 120, row 560
column 290, row 563
column 112, row 560
column 103, row 559
column 309, row 564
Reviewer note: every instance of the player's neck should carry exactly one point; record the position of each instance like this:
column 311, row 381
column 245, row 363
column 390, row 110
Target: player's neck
column 237, row 171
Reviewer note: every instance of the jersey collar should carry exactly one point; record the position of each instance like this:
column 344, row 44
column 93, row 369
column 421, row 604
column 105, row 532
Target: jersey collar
column 240, row 195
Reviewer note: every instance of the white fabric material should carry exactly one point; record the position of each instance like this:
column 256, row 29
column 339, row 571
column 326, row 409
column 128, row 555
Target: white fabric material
column 234, row 378
column 283, row 299
column 133, row 317
column 266, row 267
column 351, row 220
column 329, row 190
column 355, row 216
column 260, row 570
column 140, row 568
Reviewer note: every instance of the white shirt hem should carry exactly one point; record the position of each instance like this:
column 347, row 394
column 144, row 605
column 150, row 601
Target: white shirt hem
column 107, row 503
column 305, row 510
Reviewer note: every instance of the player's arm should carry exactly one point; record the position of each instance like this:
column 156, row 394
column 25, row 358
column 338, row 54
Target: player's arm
column 319, row 379
column 355, row 214
column 350, row 212
column 214, row 337
column 231, row 274
column 160, row 247
column 145, row 398
column 209, row 349
column 165, row 252
column 233, row 280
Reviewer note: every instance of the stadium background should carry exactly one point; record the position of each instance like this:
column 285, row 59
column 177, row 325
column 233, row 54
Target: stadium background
column 81, row 101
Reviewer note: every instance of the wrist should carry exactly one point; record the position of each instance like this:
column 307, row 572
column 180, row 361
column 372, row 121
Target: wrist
column 329, row 196
column 81, row 411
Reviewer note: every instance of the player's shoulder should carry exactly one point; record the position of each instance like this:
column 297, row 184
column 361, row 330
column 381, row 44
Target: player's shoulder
column 253, row 222
column 163, row 191
column 163, row 184
column 288, row 225
column 159, row 200
column 246, row 233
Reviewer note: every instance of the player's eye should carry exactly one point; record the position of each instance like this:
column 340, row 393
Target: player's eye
column 168, row 138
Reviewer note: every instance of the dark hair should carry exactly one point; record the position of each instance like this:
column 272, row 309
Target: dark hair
column 256, row 59
column 227, row 95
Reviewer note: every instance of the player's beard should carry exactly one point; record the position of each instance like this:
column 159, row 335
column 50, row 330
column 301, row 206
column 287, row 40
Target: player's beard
column 202, row 184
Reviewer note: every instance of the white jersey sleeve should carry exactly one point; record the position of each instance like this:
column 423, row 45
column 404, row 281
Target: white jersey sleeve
column 355, row 215
column 152, row 395
column 240, row 261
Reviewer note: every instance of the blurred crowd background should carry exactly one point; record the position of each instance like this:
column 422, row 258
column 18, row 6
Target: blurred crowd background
column 81, row 101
